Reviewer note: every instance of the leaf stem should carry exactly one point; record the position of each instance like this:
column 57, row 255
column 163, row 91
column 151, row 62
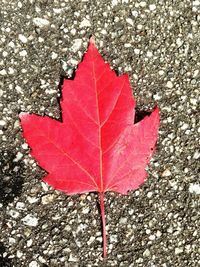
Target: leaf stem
column 103, row 222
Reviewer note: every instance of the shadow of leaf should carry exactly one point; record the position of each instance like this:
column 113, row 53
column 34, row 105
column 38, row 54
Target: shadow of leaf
column 139, row 115
column 11, row 173
column 4, row 261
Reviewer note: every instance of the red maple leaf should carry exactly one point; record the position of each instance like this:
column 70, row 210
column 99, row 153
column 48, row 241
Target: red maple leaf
column 96, row 146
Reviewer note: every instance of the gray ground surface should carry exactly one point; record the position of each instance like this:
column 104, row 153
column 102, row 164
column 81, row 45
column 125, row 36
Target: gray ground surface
column 157, row 43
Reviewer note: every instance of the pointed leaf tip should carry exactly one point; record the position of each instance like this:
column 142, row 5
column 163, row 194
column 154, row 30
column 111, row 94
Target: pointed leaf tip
column 92, row 40
column 23, row 115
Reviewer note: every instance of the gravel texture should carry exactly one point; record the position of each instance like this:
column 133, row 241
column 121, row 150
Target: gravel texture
column 157, row 43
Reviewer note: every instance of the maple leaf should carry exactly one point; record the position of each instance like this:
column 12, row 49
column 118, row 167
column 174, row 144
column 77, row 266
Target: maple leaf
column 96, row 146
